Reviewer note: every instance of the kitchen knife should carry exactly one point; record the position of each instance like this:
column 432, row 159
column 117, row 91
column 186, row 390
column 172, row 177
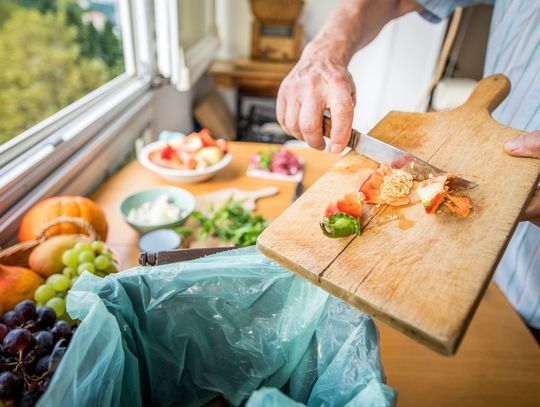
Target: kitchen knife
column 381, row 152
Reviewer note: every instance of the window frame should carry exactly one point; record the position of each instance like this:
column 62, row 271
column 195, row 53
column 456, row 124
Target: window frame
column 34, row 158
column 183, row 67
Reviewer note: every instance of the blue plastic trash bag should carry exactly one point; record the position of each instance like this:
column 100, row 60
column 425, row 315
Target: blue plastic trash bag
column 234, row 325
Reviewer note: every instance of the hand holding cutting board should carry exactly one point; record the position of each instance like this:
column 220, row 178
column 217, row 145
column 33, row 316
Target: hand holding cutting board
column 527, row 145
column 427, row 277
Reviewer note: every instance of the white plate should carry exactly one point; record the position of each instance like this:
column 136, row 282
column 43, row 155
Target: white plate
column 185, row 176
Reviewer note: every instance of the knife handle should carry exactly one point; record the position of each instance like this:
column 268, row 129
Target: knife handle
column 327, row 128
column 178, row 255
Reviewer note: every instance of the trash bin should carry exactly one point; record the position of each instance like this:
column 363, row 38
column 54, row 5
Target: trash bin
column 233, row 325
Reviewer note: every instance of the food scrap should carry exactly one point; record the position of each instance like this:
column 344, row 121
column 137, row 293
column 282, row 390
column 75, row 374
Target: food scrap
column 434, row 192
column 342, row 217
column 390, row 186
column 340, row 225
column 387, row 185
column 194, row 152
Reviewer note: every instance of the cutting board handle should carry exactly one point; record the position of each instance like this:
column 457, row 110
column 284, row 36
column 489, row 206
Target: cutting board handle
column 488, row 94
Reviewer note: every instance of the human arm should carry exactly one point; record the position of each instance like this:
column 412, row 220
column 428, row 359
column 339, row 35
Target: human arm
column 527, row 145
column 320, row 79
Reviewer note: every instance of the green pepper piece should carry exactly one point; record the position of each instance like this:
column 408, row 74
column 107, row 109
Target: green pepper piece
column 340, row 225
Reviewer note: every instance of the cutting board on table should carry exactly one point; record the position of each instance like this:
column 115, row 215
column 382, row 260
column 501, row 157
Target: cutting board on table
column 422, row 274
column 246, row 198
column 216, row 199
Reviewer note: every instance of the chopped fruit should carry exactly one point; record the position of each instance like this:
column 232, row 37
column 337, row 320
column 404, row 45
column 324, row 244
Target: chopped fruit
column 331, row 209
column 389, row 186
column 386, row 185
column 371, row 188
column 432, row 191
column 342, row 218
column 340, row 225
column 206, row 138
column 460, row 205
column 209, row 155
column 167, row 152
column 193, row 143
column 351, row 204
column 223, row 145
column 196, row 151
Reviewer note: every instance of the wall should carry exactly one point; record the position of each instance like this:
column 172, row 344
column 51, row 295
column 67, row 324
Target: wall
column 392, row 73
column 470, row 47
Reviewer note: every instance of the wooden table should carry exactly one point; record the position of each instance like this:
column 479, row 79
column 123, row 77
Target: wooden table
column 250, row 76
column 498, row 362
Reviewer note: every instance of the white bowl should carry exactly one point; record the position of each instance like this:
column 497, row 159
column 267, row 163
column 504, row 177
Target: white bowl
column 185, row 176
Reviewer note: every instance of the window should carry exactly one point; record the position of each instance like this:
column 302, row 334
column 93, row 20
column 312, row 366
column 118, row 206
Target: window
column 51, row 54
column 78, row 88
column 74, row 92
column 187, row 39
column 196, row 21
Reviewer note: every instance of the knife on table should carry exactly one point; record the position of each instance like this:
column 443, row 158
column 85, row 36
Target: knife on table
column 298, row 190
column 381, row 152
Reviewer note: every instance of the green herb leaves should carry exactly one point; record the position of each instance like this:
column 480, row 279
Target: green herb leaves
column 231, row 223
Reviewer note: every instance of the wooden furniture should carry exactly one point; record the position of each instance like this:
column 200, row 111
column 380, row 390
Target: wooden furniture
column 212, row 112
column 498, row 362
column 424, row 275
column 248, row 76
column 276, row 34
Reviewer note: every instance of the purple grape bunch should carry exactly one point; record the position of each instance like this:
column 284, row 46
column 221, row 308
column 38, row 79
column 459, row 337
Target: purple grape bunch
column 30, row 341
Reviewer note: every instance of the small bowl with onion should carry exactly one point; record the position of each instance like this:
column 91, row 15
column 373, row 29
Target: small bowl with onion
column 157, row 208
column 189, row 159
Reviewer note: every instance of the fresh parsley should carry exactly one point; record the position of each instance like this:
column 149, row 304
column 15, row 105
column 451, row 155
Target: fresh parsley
column 231, row 223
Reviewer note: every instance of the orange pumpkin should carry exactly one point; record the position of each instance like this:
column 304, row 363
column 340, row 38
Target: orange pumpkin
column 51, row 208
column 16, row 284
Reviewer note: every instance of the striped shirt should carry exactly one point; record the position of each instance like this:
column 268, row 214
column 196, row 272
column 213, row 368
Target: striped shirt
column 514, row 50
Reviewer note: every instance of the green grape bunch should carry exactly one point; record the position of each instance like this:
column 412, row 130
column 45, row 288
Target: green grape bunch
column 92, row 257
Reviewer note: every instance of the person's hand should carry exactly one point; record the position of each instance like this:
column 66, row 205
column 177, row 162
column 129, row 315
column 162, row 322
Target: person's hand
column 321, row 81
column 318, row 82
column 527, row 145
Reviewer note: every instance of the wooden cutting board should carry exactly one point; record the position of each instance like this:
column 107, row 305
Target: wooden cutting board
column 422, row 274
column 248, row 199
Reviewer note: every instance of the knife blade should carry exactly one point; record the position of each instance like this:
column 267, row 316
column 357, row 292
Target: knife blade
column 382, row 152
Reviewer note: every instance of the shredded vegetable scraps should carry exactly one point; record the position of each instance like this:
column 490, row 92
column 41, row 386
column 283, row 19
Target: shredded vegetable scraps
column 460, row 205
column 397, row 184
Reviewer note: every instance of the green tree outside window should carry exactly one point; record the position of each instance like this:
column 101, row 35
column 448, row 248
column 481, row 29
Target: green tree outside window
column 49, row 58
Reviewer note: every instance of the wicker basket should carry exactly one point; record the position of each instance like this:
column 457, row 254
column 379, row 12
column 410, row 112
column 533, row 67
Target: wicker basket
column 18, row 254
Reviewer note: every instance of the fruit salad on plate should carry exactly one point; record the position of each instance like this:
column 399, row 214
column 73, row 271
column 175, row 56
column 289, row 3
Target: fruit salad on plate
column 193, row 152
